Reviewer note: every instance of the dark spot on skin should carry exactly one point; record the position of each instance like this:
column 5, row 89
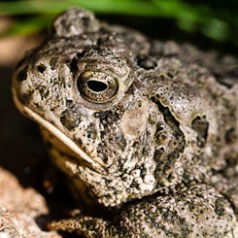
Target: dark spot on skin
column 161, row 166
column 121, row 141
column 223, row 81
column 91, row 131
column 101, row 152
column 41, row 68
column 231, row 136
column 219, row 207
column 53, row 63
column 105, row 158
column 134, row 185
column 160, row 137
column 99, row 41
column 170, row 75
column 227, row 78
column 73, row 65
column 100, row 148
column 22, row 75
column 159, row 127
column 44, row 91
column 79, row 141
column 107, row 117
column 139, row 103
column 69, row 103
column 159, row 154
column 70, row 118
column 81, row 54
column 146, row 62
column 86, row 21
column 143, row 171
column 25, row 98
column 97, row 115
column 200, row 125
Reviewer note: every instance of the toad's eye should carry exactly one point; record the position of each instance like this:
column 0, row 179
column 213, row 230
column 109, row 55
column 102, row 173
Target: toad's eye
column 97, row 87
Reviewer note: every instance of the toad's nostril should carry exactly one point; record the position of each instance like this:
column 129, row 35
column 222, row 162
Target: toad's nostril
column 22, row 75
column 97, row 86
column 41, row 68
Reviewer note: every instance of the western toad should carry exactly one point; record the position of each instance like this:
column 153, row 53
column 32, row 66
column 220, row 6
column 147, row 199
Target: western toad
column 143, row 128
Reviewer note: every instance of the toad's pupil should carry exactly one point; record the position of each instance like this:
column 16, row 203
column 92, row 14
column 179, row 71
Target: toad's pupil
column 96, row 86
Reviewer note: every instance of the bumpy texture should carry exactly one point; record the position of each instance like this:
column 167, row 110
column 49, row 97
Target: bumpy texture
column 145, row 129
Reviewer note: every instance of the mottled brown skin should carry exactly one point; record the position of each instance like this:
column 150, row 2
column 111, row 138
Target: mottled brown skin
column 157, row 122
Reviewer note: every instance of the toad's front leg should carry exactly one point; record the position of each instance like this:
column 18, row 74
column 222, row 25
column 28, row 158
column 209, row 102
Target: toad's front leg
column 199, row 211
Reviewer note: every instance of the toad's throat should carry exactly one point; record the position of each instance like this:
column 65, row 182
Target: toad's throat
column 57, row 133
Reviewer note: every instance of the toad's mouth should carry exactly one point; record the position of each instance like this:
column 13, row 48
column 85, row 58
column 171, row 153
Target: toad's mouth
column 57, row 133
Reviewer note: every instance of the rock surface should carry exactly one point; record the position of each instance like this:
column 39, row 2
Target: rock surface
column 19, row 209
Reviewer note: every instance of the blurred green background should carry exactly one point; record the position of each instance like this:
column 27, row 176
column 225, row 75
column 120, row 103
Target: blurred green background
column 209, row 24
